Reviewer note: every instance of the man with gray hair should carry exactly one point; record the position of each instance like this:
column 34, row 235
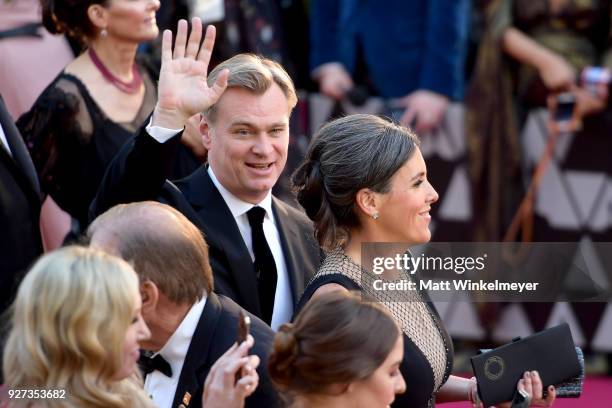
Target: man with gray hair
column 191, row 327
column 262, row 251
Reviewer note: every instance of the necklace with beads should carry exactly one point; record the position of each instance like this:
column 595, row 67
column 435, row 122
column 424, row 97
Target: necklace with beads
column 127, row 87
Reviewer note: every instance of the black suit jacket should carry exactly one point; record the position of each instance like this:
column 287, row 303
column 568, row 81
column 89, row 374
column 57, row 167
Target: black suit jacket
column 20, row 200
column 138, row 173
column 214, row 334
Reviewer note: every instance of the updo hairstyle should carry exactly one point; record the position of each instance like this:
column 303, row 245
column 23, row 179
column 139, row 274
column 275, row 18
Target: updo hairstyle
column 331, row 342
column 346, row 155
column 70, row 17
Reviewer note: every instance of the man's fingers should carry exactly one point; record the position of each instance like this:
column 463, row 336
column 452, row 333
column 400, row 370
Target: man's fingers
column 408, row 117
column 181, row 39
column 221, row 83
column 166, row 51
column 254, row 361
column 228, row 352
column 193, row 44
column 230, row 370
column 247, row 384
column 207, row 45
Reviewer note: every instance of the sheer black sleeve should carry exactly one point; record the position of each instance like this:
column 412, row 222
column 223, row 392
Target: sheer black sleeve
column 57, row 130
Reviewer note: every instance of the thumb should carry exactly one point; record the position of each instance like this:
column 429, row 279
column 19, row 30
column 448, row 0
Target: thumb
column 220, row 84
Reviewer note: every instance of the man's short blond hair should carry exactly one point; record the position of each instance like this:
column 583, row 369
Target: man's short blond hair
column 163, row 246
column 255, row 74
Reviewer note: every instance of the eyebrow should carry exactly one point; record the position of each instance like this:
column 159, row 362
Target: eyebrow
column 252, row 125
column 421, row 174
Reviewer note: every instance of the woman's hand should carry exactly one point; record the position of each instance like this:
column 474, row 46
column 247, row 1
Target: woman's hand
column 183, row 90
column 556, row 73
column 531, row 384
column 588, row 103
column 220, row 388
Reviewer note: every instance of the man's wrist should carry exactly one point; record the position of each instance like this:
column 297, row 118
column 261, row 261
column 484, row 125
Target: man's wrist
column 169, row 119
column 161, row 134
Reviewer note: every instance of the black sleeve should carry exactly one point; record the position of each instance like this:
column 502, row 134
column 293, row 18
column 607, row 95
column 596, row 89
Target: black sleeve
column 55, row 141
column 265, row 394
column 137, row 173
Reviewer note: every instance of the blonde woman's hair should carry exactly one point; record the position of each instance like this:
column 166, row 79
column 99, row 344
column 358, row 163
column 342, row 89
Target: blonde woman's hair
column 68, row 326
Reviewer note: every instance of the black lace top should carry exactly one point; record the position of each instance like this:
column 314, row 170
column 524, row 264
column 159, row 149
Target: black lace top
column 72, row 141
column 428, row 349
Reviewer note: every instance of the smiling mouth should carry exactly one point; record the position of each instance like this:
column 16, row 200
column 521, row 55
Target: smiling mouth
column 260, row 166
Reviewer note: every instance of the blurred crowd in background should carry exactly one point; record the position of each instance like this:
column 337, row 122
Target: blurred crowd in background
column 509, row 98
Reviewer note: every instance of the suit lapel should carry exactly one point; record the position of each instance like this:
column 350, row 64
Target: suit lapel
column 222, row 231
column 288, row 234
column 197, row 364
column 18, row 149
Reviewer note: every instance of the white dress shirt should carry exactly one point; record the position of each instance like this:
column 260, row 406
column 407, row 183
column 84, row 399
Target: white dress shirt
column 283, row 299
column 157, row 385
column 4, row 141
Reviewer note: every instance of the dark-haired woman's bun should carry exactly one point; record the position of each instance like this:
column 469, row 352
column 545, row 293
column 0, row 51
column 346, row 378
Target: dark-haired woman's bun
column 308, row 184
column 69, row 17
column 49, row 19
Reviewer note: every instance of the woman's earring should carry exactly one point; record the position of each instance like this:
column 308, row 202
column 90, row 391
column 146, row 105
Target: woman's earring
column 103, row 32
column 375, row 215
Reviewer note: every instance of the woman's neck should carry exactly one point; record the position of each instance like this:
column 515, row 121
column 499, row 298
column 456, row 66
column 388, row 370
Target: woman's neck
column 353, row 248
column 118, row 58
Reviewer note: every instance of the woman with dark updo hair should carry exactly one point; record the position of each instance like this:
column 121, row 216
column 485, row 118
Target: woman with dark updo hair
column 93, row 106
column 329, row 358
column 364, row 180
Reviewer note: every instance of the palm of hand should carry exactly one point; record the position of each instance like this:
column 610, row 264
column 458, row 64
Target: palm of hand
column 183, row 86
column 183, row 90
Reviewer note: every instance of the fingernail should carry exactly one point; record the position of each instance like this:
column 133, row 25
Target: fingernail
column 526, row 373
column 534, row 373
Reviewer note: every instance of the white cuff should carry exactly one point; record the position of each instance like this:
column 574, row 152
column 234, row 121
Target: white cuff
column 161, row 134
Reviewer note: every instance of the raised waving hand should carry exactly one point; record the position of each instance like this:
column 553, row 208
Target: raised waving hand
column 183, row 90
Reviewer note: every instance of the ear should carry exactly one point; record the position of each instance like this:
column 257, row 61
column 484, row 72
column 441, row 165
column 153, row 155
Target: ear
column 368, row 202
column 344, row 388
column 98, row 16
column 205, row 131
column 150, row 296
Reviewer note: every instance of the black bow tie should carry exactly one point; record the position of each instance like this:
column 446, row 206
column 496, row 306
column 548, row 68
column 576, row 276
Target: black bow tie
column 149, row 364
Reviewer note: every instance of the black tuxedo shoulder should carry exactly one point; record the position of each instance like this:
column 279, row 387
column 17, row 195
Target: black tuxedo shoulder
column 265, row 395
column 228, row 321
column 298, row 216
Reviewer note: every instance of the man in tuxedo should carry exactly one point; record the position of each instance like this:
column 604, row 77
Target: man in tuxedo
column 191, row 327
column 20, row 200
column 262, row 251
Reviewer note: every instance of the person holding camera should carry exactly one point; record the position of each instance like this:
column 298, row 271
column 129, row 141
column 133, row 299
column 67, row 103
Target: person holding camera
column 542, row 53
